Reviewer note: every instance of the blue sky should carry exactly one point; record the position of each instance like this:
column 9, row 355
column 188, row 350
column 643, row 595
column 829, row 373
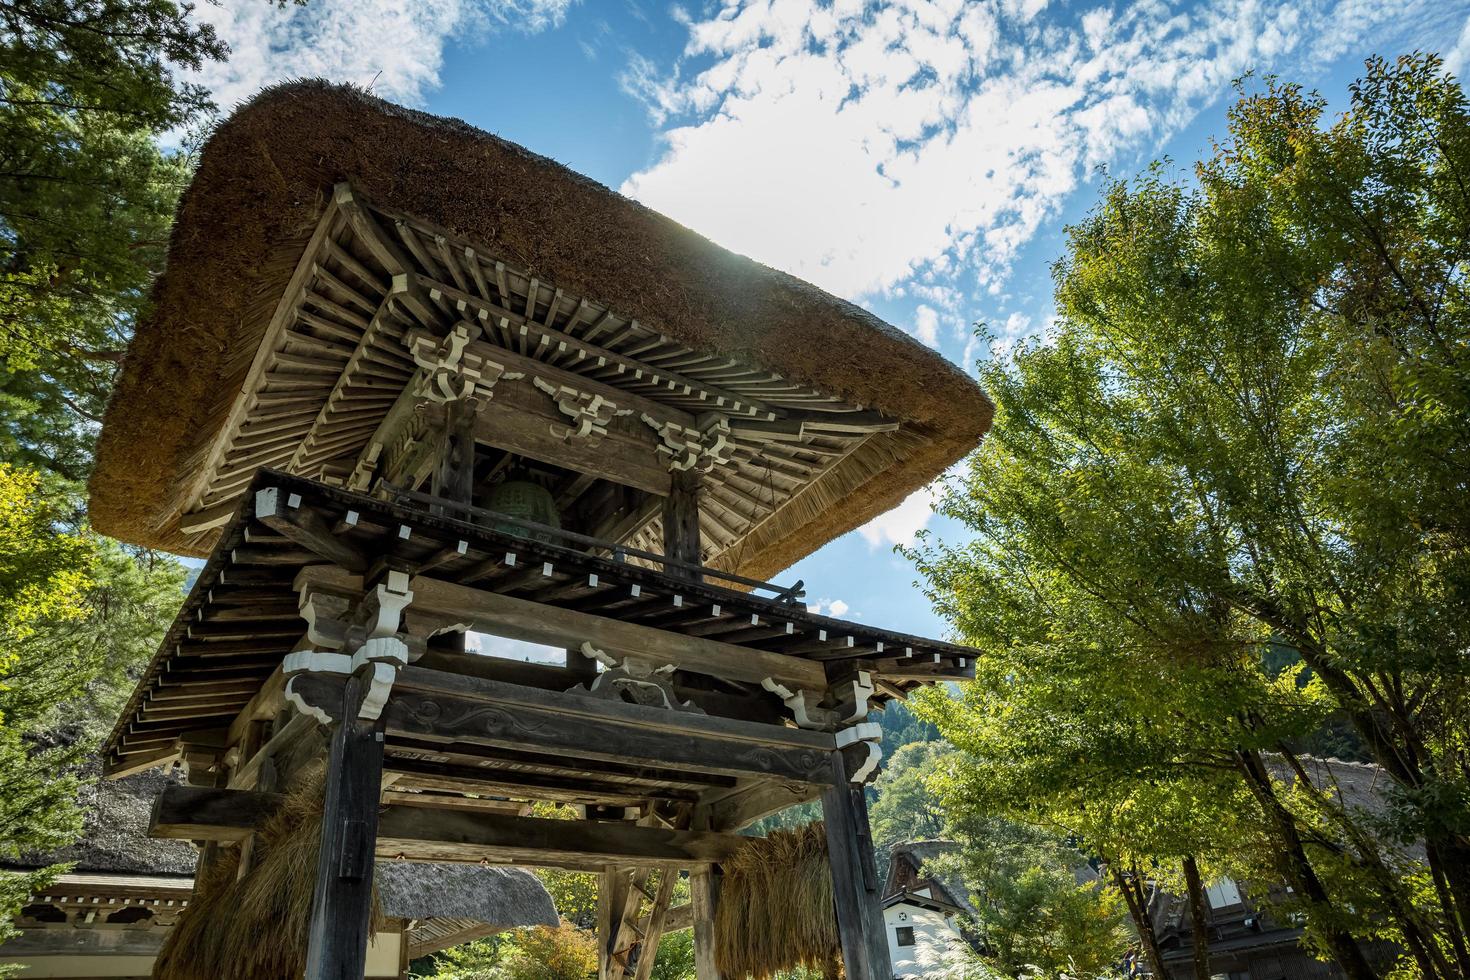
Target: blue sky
column 918, row 158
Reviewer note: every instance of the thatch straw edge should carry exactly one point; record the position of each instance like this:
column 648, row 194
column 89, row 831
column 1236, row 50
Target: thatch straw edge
column 255, row 927
column 775, row 911
column 263, row 182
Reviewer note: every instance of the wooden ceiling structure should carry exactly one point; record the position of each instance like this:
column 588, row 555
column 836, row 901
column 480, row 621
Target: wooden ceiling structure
column 364, row 384
column 381, row 305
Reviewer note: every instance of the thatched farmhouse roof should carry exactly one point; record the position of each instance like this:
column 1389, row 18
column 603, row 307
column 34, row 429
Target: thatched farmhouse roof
column 445, row 903
column 504, row 897
column 115, row 831
column 324, row 227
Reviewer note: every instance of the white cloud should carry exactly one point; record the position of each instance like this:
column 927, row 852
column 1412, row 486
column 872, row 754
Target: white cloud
column 862, row 147
column 1458, row 58
column 830, row 607
column 903, row 523
column 396, row 47
column 926, row 325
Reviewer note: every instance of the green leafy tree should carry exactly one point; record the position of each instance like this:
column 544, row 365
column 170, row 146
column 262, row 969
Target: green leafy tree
column 1249, row 430
column 86, row 200
column 43, row 576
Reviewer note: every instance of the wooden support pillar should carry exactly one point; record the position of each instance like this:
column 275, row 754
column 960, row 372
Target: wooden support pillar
column 342, row 905
column 456, row 478
column 855, row 891
column 614, row 889
column 681, row 523
column 704, row 894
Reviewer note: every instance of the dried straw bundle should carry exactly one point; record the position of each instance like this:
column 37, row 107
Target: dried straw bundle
column 775, row 908
column 254, row 928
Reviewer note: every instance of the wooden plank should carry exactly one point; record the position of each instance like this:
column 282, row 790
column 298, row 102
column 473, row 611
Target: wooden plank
column 456, row 477
column 855, row 892
column 595, row 356
column 621, row 397
column 681, row 524
column 537, row 623
column 603, row 711
column 519, row 418
column 306, row 528
column 208, row 813
column 446, row 835
column 735, row 809
column 342, row 905
column 652, row 929
column 247, row 774
column 449, row 709
column 121, row 765
column 703, row 895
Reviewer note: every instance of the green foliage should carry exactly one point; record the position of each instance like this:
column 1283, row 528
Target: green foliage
column 574, row 893
column 1248, row 432
column 77, row 615
column 540, row 953
column 43, row 574
column 86, row 200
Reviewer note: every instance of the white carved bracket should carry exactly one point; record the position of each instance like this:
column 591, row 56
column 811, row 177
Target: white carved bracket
column 386, row 603
column 853, row 697
column 313, row 662
column 383, row 655
column 451, row 372
column 803, row 705
column 867, row 736
column 325, row 614
column 379, row 656
column 701, row 447
column 589, row 413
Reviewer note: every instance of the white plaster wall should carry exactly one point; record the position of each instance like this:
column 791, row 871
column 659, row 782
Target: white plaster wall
column 931, row 931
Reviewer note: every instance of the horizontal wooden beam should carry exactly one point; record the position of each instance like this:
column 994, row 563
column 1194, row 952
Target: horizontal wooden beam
column 518, row 417
column 520, row 619
column 274, row 509
column 451, row 835
column 452, row 709
column 206, row 813
column 419, row 833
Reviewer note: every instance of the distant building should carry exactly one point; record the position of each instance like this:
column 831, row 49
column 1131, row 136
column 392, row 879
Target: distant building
column 920, row 911
column 1247, row 941
column 109, row 916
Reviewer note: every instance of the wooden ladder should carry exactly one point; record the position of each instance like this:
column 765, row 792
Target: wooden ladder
column 631, row 936
column 634, row 947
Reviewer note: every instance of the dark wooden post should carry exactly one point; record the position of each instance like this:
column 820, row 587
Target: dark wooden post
column 681, row 522
column 854, row 879
column 704, row 895
column 457, row 465
column 342, row 906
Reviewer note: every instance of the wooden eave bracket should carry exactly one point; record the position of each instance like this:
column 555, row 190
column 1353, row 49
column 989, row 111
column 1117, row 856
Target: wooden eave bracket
column 700, row 448
column 381, row 653
column 589, row 412
column 448, row 370
column 637, row 679
column 862, row 750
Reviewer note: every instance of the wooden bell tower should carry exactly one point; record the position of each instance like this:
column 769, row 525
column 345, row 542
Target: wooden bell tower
column 688, row 423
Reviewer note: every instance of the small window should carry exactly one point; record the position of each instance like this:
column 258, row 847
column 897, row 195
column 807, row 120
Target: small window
column 1223, row 894
column 905, row 935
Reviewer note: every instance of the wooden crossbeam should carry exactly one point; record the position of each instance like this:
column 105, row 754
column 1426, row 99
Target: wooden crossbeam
column 534, row 622
column 446, row 835
column 206, row 813
column 448, row 708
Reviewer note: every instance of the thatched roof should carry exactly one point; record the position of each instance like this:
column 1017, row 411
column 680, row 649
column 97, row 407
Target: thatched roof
column 266, row 179
column 115, row 840
column 921, row 855
column 115, row 833
column 504, row 897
